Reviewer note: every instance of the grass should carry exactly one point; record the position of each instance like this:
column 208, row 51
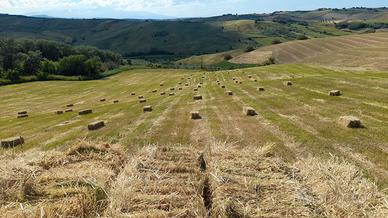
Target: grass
column 289, row 145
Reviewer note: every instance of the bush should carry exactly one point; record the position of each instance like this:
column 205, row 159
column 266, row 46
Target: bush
column 276, row 41
column 227, row 57
column 249, row 49
column 302, row 37
column 12, row 75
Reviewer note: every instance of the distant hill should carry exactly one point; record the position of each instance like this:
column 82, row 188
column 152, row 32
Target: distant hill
column 181, row 38
column 369, row 51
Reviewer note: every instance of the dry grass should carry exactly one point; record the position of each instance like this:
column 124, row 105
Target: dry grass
column 248, row 182
column 159, row 182
column 341, row 190
column 65, row 184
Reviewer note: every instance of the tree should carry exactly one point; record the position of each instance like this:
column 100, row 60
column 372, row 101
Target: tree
column 8, row 52
column 12, row 75
column 49, row 67
column 72, row 65
column 93, row 66
column 32, row 63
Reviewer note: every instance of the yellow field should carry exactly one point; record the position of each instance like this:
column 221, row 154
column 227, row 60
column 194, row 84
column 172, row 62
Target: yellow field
column 292, row 159
column 365, row 51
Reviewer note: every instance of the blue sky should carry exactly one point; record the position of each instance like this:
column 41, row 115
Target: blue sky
column 170, row 8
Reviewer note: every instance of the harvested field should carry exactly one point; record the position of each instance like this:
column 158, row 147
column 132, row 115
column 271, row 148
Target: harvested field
column 273, row 164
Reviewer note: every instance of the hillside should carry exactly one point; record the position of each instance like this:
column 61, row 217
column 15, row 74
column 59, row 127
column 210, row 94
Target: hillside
column 292, row 159
column 187, row 37
column 365, row 51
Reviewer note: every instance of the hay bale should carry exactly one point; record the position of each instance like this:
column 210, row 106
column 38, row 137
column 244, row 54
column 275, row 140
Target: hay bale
column 96, row 125
column 140, row 97
column 132, row 93
column 236, row 82
column 234, row 78
column 195, row 115
column 147, row 108
column 350, row 122
column 162, row 93
column 161, row 84
column 102, row 99
column 84, row 112
column 335, row 93
column 250, row 76
column 261, row 89
column 143, row 100
column 288, row 83
column 154, row 91
column 115, row 101
column 172, row 89
column 68, row 110
column 22, row 115
column 22, row 112
column 171, row 94
column 201, row 83
column 240, row 82
column 180, row 83
column 255, row 80
column 197, row 97
column 199, row 86
column 186, row 84
column 195, row 89
column 223, row 86
column 249, row 111
column 58, row 112
column 12, row 142
column 70, row 105
column 229, row 92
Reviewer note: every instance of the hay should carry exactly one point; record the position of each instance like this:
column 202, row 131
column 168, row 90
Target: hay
column 84, row 112
column 70, row 105
column 68, row 110
column 240, row 82
column 154, row 91
column 180, row 83
column 12, row 142
column 22, row 112
column 180, row 88
column 236, row 82
column 172, row 89
column 197, row 97
column 250, row 76
column 199, row 86
column 161, row 84
column 96, row 125
column 140, row 97
column 255, row 80
column 195, row 115
column 250, row 111
column 160, row 182
column 186, row 84
column 115, row 101
column 147, row 108
column 287, row 83
column 133, row 93
column 58, row 112
column 22, row 116
column 223, row 86
column 171, row 94
column 195, row 89
column 245, row 182
column 143, row 100
column 335, row 93
column 261, row 89
column 234, row 78
column 102, row 99
column 229, row 92
column 350, row 122
column 163, row 93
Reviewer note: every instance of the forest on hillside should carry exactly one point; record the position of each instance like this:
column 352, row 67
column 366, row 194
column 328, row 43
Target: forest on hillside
column 22, row 60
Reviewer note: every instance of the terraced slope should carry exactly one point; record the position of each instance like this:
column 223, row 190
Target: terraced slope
column 366, row 51
column 292, row 159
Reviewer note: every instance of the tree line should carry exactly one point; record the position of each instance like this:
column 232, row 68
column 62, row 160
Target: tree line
column 42, row 58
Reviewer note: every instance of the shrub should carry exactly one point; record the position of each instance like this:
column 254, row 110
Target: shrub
column 249, row 49
column 227, row 57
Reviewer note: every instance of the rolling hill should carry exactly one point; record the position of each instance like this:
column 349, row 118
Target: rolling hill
column 187, row 37
column 365, row 51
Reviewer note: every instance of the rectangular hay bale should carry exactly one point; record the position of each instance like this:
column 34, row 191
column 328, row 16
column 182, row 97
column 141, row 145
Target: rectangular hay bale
column 147, row 108
column 350, row 122
column 12, row 142
column 195, row 115
column 197, row 97
column 335, row 93
column 143, row 100
column 84, row 112
column 96, row 125
column 250, row 111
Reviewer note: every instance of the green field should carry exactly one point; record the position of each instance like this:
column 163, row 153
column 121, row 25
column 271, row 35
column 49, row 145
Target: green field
column 293, row 123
